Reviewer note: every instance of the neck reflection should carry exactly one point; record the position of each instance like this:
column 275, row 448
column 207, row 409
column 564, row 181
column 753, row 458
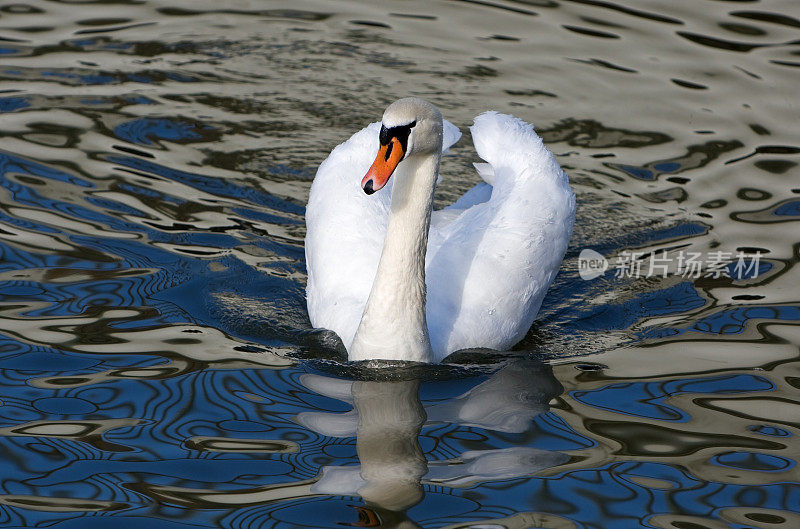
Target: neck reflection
column 390, row 418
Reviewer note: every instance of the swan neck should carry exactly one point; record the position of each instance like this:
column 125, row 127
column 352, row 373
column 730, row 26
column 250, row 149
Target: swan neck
column 393, row 326
column 410, row 214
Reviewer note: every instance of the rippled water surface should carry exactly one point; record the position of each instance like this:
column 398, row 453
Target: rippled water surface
column 158, row 366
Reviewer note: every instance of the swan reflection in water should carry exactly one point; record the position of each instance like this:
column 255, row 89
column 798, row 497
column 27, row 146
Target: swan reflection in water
column 388, row 417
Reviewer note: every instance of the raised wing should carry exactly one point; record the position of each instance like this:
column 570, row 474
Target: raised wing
column 492, row 254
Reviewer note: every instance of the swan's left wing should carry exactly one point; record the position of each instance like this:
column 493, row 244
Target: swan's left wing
column 492, row 254
column 345, row 229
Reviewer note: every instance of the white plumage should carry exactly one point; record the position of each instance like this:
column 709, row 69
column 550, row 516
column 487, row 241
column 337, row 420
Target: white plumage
column 490, row 256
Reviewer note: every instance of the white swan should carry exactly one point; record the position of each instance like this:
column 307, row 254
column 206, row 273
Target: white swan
column 482, row 264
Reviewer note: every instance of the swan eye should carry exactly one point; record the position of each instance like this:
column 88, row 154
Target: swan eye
column 400, row 132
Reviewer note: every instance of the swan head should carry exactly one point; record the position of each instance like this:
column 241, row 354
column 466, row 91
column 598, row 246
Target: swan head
column 410, row 127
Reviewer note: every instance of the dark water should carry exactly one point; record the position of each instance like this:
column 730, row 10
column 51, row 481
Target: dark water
column 158, row 369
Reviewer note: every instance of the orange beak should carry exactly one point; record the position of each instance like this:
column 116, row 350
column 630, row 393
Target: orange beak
column 389, row 156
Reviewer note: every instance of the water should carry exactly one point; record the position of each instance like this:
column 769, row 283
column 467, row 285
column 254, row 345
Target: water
column 158, row 367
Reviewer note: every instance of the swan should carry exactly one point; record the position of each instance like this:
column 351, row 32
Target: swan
column 396, row 280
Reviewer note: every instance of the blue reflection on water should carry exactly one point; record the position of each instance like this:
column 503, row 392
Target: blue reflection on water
column 648, row 399
column 86, row 79
column 144, row 130
column 10, row 163
column 772, row 431
column 10, row 104
column 220, row 187
column 753, row 461
column 672, row 300
column 729, row 321
column 789, row 209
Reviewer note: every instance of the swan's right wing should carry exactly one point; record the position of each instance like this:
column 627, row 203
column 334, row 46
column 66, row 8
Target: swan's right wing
column 492, row 255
